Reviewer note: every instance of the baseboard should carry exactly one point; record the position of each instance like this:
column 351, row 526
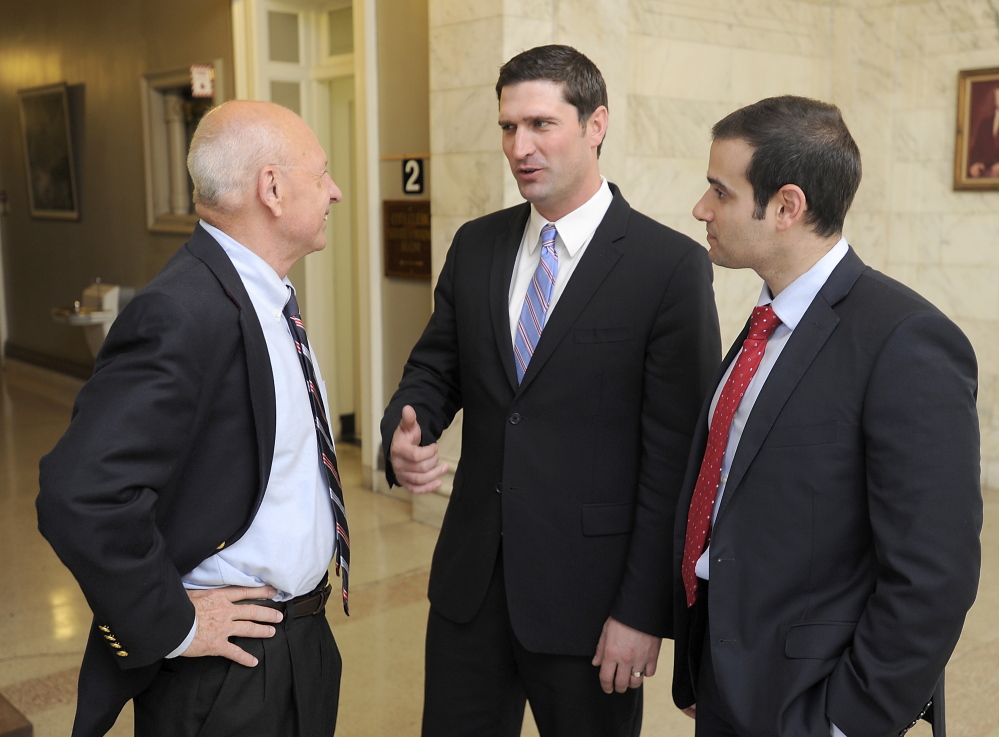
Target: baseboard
column 59, row 365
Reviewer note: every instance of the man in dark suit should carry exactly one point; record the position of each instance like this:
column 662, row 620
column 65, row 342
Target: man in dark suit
column 187, row 495
column 547, row 578
column 826, row 547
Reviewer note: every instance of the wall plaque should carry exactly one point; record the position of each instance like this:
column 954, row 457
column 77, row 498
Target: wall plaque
column 406, row 229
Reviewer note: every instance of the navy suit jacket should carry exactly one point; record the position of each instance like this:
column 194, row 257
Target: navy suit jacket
column 846, row 552
column 165, row 461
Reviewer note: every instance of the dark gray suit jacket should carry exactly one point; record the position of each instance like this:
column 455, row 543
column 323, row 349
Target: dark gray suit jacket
column 164, row 462
column 846, row 552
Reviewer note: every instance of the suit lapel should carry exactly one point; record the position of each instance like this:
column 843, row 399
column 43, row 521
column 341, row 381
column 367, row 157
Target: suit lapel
column 504, row 251
column 258, row 363
column 594, row 266
column 808, row 338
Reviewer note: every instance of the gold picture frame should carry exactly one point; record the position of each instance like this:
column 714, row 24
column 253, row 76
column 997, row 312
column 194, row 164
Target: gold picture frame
column 976, row 153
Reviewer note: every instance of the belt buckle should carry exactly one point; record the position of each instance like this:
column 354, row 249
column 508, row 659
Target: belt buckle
column 324, row 596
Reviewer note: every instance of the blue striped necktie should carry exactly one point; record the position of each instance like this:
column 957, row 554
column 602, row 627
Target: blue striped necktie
column 327, row 454
column 534, row 313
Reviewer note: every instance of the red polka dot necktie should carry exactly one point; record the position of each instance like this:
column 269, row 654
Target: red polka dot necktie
column 761, row 326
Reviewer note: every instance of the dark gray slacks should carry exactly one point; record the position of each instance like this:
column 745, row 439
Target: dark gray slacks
column 479, row 676
column 293, row 691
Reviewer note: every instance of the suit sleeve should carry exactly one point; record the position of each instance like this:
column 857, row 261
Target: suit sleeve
column 923, row 481
column 130, row 432
column 681, row 358
column 431, row 381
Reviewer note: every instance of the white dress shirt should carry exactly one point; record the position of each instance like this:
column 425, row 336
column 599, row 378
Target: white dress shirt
column 574, row 233
column 289, row 543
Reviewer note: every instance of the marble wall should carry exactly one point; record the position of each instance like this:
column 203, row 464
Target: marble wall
column 675, row 67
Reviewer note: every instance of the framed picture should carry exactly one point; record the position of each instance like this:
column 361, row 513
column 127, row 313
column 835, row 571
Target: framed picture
column 48, row 152
column 976, row 156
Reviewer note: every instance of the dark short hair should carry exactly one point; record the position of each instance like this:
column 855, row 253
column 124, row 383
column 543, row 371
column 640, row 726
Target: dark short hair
column 799, row 141
column 582, row 83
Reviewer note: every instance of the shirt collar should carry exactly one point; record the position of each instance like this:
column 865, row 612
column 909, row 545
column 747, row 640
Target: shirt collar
column 574, row 229
column 790, row 304
column 261, row 281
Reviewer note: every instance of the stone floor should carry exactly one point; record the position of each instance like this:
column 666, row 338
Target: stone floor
column 44, row 618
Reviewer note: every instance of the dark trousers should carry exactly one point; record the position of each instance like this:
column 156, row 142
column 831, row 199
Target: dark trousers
column 713, row 718
column 293, row 690
column 478, row 677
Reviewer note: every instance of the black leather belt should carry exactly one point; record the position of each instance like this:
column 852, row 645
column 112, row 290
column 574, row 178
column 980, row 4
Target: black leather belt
column 301, row 606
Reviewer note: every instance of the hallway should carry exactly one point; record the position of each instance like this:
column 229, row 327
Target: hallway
column 44, row 617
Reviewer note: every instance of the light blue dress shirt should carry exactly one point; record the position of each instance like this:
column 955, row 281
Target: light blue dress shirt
column 290, row 542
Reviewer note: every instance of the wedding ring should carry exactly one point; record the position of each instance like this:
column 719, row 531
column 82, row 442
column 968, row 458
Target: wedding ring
column 637, row 674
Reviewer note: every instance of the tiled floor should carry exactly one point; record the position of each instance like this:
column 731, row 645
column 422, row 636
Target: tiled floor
column 44, row 618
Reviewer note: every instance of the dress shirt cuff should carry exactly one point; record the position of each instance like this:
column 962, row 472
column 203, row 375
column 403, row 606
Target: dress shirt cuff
column 835, row 731
column 182, row 647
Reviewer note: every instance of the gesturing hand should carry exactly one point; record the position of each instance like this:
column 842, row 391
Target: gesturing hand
column 219, row 618
column 418, row 468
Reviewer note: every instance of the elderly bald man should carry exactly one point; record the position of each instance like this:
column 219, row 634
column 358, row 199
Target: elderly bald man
column 189, row 496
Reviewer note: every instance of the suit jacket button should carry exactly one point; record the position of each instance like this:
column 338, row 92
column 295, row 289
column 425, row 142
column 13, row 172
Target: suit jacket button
column 499, row 487
column 121, row 654
column 110, row 638
column 104, row 628
column 116, row 645
column 514, row 418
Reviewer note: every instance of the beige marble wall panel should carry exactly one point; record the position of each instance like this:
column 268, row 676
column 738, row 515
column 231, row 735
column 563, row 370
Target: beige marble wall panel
column 674, row 128
column 759, row 74
column 971, row 240
column 790, row 26
column 449, row 12
column 868, row 234
column 519, row 34
column 665, row 185
column 914, row 238
column 963, row 293
column 467, row 184
column 535, row 9
column 923, row 134
column 664, row 69
column 465, row 54
column 465, row 120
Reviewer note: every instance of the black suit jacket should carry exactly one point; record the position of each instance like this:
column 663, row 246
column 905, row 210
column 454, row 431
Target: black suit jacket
column 164, row 462
column 845, row 553
column 578, row 467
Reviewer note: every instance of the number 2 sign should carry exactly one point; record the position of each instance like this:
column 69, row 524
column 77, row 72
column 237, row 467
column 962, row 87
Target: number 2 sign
column 412, row 176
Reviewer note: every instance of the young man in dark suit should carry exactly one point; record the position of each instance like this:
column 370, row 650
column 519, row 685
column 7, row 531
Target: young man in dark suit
column 578, row 336
column 187, row 496
column 826, row 546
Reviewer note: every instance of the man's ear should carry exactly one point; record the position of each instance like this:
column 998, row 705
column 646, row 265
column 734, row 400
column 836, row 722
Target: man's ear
column 269, row 190
column 596, row 126
column 790, row 205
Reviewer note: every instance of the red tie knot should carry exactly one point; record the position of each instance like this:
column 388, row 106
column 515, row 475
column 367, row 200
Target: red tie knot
column 763, row 322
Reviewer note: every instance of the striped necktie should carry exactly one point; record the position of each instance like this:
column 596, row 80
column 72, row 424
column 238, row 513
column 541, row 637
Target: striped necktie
column 327, row 454
column 534, row 313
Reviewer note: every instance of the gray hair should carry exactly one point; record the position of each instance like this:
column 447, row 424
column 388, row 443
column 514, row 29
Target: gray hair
column 226, row 155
